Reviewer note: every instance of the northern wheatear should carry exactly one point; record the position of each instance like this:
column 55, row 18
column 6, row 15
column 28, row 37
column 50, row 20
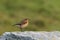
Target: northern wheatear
column 23, row 24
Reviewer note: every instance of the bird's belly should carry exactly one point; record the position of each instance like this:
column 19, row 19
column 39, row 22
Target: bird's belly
column 24, row 25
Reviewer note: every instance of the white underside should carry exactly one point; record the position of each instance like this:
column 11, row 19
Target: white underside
column 23, row 26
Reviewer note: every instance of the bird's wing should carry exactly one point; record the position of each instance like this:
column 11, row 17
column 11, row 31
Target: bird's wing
column 23, row 22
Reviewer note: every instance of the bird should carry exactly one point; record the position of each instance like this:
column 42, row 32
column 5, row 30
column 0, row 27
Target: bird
column 23, row 24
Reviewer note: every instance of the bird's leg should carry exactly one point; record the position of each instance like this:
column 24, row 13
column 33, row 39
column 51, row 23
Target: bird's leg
column 21, row 29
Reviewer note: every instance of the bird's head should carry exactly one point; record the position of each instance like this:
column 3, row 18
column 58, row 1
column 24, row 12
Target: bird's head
column 26, row 19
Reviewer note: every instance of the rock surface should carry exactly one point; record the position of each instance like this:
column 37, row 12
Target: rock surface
column 31, row 35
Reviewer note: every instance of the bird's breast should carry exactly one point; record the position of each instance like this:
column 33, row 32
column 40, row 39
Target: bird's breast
column 24, row 25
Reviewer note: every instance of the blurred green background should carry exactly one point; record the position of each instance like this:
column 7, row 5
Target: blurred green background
column 44, row 15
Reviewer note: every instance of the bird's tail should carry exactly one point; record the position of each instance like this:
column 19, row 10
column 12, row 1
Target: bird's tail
column 16, row 24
